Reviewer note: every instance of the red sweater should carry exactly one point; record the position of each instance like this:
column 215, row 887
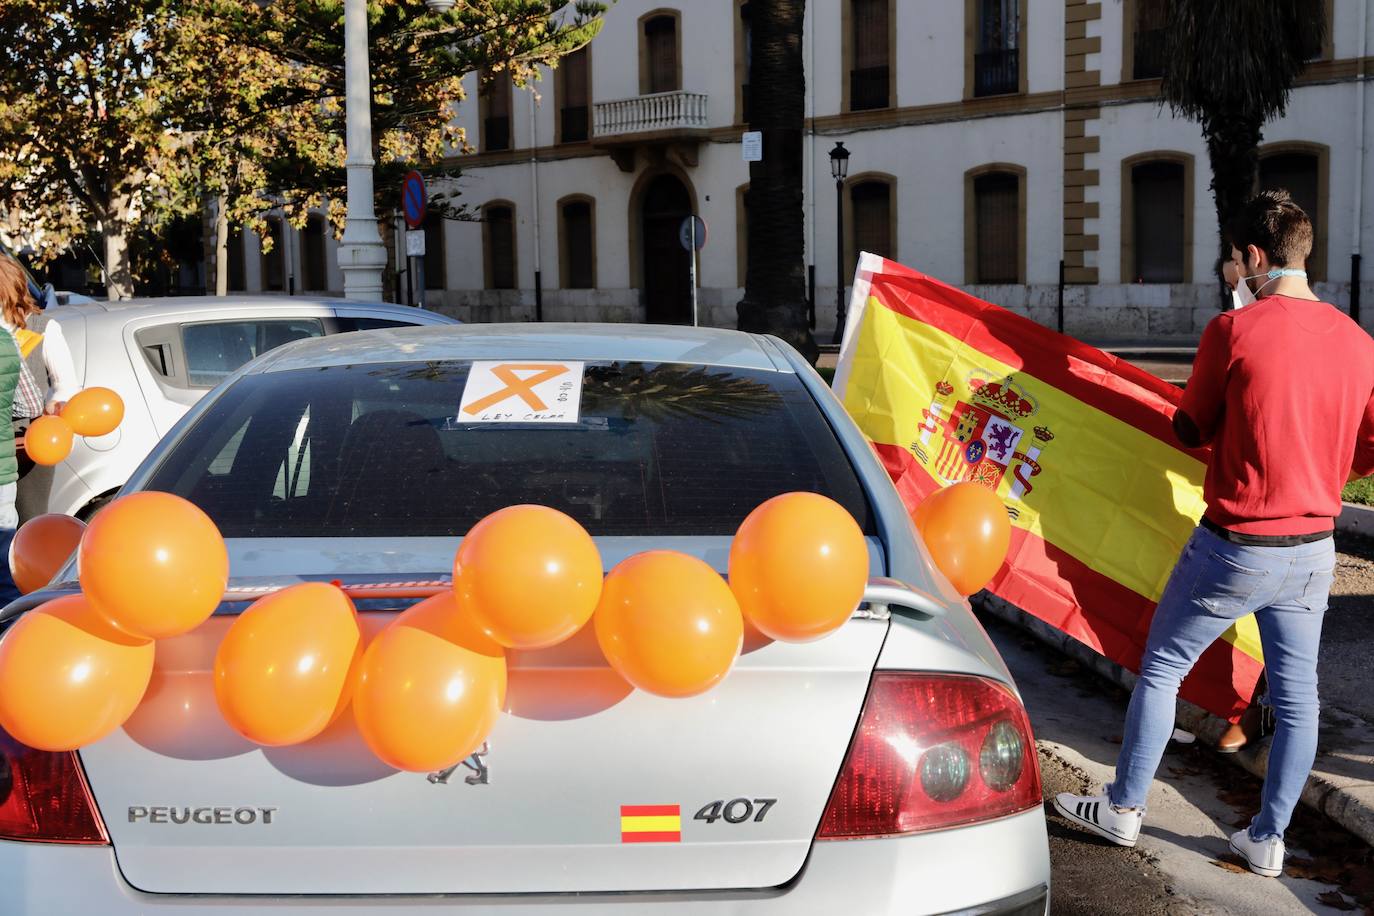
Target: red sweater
column 1284, row 391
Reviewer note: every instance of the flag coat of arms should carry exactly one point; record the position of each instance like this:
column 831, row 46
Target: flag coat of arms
column 1077, row 443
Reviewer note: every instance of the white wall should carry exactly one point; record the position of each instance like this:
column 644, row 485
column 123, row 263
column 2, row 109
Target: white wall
column 928, row 161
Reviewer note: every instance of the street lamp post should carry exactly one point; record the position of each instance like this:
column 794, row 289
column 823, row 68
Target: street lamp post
column 362, row 255
column 839, row 169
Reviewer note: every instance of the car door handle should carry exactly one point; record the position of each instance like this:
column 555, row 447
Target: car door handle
column 882, row 594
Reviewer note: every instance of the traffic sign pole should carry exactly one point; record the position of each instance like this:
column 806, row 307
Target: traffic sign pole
column 692, row 234
column 414, row 205
column 692, row 253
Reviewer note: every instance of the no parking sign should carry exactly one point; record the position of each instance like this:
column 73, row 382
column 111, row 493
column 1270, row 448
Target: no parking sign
column 413, row 199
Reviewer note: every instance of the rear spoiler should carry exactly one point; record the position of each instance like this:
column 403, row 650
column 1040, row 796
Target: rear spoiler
column 881, row 595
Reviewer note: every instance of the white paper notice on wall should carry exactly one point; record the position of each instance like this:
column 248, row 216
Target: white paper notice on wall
column 752, row 143
column 531, row 391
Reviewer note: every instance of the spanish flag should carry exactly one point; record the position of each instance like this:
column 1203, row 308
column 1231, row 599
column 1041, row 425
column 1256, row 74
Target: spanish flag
column 650, row 824
column 27, row 341
column 1078, row 444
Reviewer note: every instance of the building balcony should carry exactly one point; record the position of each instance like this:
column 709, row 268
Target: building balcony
column 996, row 72
column 662, row 123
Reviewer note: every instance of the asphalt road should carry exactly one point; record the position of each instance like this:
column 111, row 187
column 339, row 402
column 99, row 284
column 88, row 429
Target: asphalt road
column 1182, row 863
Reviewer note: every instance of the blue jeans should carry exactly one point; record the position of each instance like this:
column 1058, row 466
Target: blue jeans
column 9, row 521
column 1215, row 583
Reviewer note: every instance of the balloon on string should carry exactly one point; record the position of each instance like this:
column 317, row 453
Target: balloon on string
column 154, row 564
column 529, row 574
column 967, row 532
column 430, row 687
column 668, row 624
column 48, row 440
column 284, row 669
column 94, row 412
column 798, row 566
column 68, row 678
column 40, row 547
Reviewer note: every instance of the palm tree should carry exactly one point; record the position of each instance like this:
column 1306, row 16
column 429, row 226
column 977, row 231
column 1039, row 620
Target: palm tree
column 775, row 278
column 668, row 391
column 1230, row 65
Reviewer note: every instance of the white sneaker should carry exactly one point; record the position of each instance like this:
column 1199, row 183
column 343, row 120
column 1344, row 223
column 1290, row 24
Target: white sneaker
column 1098, row 814
column 1265, row 857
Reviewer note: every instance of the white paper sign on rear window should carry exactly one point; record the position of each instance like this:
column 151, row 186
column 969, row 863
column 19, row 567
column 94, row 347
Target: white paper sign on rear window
column 513, row 391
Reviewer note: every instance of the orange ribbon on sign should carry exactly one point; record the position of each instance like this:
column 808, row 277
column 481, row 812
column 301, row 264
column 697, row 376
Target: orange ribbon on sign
column 517, row 387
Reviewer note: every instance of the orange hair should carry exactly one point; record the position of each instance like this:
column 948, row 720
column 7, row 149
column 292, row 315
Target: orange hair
column 16, row 305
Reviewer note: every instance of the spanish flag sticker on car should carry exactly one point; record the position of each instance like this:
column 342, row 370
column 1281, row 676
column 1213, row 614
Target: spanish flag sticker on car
column 650, row 824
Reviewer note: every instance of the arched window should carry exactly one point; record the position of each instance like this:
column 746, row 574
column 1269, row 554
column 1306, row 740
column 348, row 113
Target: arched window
column 660, row 52
column 1156, row 218
column 995, row 225
column 313, row 275
column 577, row 243
column 871, row 220
column 498, row 244
column 1300, row 168
column 868, row 42
column 237, row 282
column 436, row 260
column 273, row 262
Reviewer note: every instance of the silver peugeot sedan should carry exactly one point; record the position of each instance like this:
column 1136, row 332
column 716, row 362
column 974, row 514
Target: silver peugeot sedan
column 887, row 768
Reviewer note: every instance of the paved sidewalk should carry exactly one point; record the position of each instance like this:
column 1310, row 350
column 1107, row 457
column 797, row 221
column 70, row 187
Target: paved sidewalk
column 1341, row 785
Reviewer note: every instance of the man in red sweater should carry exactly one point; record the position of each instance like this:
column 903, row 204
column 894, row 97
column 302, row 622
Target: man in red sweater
column 1283, row 391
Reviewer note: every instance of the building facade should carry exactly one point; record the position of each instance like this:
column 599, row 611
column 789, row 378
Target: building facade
column 990, row 141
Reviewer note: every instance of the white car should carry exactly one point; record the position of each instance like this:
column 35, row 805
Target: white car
column 163, row 355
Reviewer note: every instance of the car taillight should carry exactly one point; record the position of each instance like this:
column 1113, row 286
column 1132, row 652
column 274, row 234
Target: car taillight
column 933, row 751
column 44, row 797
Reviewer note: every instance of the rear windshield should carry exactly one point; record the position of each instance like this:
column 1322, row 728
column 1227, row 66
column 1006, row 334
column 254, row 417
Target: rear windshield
column 379, row 451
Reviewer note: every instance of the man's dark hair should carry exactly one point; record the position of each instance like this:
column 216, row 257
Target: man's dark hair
column 1274, row 224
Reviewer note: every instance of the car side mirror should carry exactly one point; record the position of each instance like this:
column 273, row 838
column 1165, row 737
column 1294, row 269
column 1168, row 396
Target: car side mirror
column 49, row 296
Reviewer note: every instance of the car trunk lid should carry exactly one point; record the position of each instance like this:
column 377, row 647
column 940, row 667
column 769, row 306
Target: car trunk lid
column 587, row 785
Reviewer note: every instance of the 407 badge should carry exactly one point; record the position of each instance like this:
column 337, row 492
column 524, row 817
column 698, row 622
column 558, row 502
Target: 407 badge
column 978, row 432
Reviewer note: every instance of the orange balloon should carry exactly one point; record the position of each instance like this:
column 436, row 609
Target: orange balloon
column 48, row 440
column 967, row 532
column 919, row 515
column 94, row 412
column 669, row 624
column 153, row 564
column 529, row 574
column 283, row 671
column 40, row 547
column 68, row 678
column 798, row 566
column 430, row 687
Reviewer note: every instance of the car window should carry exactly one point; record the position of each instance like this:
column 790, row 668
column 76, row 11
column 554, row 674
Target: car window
column 378, row 450
column 216, row 349
column 346, row 324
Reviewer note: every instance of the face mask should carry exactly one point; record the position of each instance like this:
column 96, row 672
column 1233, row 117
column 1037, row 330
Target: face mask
column 1241, row 295
column 1274, row 274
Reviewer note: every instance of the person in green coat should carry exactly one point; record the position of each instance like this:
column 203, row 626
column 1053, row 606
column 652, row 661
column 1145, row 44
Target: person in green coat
column 15, row 303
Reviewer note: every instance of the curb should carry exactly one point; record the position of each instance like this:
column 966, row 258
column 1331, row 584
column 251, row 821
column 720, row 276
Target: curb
column 1347, row 801
column 1356, row 519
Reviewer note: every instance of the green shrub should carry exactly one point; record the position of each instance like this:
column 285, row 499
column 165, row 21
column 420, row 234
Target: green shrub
column 1361, row 491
